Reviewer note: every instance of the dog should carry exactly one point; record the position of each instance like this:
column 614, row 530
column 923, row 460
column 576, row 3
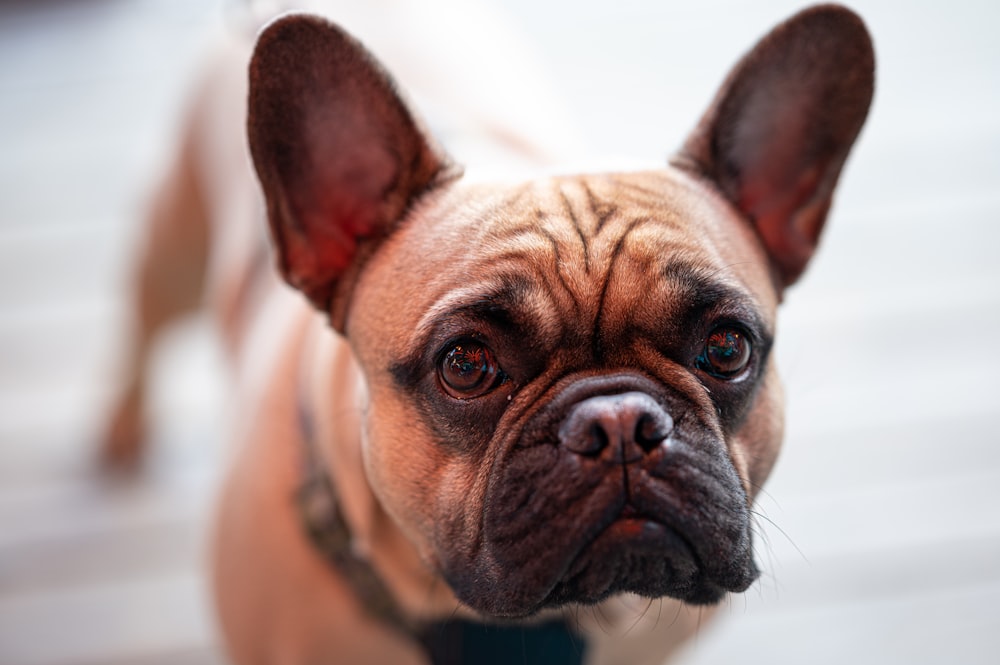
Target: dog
column 504, row 412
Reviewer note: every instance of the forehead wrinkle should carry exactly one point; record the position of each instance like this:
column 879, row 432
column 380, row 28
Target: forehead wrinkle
column 451, row 302
column 581, row 246
column 532, row 302
column 658, row 271
column 683, row 250
column 549, row 244
column 705, row 286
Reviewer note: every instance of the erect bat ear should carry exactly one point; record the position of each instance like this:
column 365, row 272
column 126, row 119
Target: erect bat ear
column 777, row 134
column 339, row 156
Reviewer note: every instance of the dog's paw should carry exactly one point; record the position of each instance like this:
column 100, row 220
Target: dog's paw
column 122, row 444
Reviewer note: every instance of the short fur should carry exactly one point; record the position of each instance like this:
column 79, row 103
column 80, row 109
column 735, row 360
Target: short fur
column 603, row 454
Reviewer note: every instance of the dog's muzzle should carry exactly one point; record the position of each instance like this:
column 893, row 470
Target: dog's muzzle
column 614, row 485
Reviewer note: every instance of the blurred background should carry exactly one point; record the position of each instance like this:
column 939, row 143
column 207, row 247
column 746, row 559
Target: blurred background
column 881, row 529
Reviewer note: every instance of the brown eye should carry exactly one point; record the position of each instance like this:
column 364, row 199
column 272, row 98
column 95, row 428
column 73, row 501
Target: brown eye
column 469, row 370
column 726, row 353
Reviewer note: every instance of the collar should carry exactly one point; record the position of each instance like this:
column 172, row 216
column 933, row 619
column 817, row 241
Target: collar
column 327, row 529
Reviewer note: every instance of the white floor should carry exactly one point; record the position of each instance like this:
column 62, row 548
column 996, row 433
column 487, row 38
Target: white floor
column 882, row 520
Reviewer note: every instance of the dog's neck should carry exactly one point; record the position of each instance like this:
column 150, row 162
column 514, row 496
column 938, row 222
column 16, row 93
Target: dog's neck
column 333, row 391
column 452, row 640
column 329, row 533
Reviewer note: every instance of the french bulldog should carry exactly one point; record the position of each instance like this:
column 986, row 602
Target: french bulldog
column 509, row 403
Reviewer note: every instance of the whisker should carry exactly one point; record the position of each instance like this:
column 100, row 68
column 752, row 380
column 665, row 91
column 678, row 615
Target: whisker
column 791, row 542
column 602, row 621
column 639, row 618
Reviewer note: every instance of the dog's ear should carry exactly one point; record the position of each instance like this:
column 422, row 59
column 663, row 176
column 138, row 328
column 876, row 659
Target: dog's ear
column 339, row 156
column 777, row 134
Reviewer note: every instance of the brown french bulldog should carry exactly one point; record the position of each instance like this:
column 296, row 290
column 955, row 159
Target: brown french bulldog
column 536, row 398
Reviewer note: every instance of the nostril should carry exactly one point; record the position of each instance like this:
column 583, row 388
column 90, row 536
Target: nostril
column 589, row 429
column 599, row 438
column 652, row 430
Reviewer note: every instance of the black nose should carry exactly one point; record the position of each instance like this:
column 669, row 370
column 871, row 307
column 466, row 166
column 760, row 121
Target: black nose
column 629, row 423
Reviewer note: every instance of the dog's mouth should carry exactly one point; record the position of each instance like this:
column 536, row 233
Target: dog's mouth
column 631, row 553
column 587, row 558
column 636, row 553
column 562, row 527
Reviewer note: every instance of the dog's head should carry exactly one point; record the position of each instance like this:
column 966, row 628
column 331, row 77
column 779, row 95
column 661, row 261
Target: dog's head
column 570, row 383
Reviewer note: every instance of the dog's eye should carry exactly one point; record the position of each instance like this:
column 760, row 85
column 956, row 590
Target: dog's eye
column 469, row 370
column 726, row 353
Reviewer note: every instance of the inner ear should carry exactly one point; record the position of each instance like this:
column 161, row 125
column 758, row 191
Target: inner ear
column 339, row 155
column 776, row 137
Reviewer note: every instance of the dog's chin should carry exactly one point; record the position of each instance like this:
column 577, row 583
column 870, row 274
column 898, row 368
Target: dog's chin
column 636, row 555
column 633, row 554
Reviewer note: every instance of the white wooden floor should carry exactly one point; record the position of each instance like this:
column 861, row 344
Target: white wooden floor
column 882, row 531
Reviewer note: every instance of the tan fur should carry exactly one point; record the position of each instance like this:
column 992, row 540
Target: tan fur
column 593, row 256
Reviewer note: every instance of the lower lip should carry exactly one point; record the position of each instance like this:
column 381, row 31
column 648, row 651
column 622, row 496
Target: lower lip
column 635, row 526
column 644, row 531
column 644, row 534
column 642, row 544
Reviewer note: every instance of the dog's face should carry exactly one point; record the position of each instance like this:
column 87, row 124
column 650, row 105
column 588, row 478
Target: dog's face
column 571, row 392
column 570, row 385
